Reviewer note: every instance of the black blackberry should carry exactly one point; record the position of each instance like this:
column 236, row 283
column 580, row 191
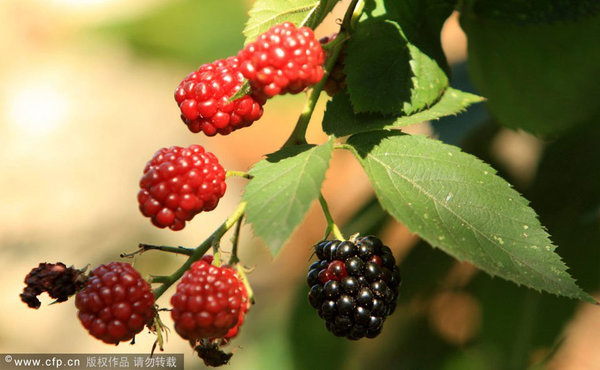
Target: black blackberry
column 353, row 286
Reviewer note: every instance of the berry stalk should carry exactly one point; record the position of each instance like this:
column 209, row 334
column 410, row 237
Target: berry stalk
column 243, row 174
column 233, row 260
column 201, row 250
column 331, row 226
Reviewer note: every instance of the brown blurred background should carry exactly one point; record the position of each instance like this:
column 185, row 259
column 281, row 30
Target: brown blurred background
column 86, row 99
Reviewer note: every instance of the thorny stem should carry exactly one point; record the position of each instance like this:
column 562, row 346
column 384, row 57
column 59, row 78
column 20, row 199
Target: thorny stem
column 331, row 226
column 164, row 248
column 167, row 281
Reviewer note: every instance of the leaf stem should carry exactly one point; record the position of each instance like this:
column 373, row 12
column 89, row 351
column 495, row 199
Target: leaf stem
column 331, row 226
column 346, row 146
column 167, row 281
column 243, row 174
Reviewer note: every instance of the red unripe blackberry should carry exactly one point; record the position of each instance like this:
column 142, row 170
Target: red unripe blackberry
column 354, row 286
column 209, row 303
column 116, row 303
column 203, row 98
column 284, row 59
column 178, row 183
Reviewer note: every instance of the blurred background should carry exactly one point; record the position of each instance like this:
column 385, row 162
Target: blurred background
column 86, row 98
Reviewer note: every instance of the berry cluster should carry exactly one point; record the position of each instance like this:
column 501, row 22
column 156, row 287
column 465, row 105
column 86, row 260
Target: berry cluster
column 116, row 303
column 284, row 59
column 203, row 97
column 354, row 286
column 179, row 183
column 210, row 302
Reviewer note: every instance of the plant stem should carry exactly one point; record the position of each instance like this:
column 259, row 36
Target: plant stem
column 298, row 136
column 159, row 279
column 164, row 248
column 167, row 281
column 331, row 226
column 351, row 16
column 339, row 39
column 235, row 241
column 243, row 174
column 357, row 13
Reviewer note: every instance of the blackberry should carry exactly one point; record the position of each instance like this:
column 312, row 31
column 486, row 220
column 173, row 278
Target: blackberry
column 353, row 286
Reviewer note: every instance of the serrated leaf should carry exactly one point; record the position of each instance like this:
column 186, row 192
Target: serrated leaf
column 395, row 63
column 282, row 188
column 457, row 203
column 340, row 120
column 267, row 13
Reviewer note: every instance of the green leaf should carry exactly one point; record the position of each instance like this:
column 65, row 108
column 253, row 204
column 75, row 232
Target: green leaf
column 537, row 62
column 340, row 120
column 267, row 13
column 395, row 63
column 282, row 188
column 457, row 203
